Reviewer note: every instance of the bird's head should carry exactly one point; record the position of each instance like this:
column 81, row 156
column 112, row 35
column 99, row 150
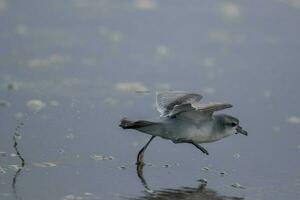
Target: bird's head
column 231, row 125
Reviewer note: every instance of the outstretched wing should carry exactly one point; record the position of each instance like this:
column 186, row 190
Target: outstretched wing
column 174, row 102
column 203, row 111
column 186, row 105
column 211, row 107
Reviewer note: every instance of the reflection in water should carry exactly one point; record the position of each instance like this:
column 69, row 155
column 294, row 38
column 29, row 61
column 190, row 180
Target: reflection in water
column 139, row 171
column 201, row 192
column 15, row 139
column 140, row 156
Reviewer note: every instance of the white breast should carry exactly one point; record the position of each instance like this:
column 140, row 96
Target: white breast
column 200, row 134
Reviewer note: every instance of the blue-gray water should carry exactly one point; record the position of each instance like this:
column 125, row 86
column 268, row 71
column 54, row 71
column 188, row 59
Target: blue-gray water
column 69, row 71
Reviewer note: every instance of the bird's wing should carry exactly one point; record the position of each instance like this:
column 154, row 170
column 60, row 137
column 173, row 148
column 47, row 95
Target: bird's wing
column 173, row 102
column 211, row 107
column 203, row 111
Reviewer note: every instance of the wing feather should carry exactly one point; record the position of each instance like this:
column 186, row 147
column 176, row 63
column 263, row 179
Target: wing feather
column 173, row 102
column 211, row 107
column 202, row 112
column 186, row 105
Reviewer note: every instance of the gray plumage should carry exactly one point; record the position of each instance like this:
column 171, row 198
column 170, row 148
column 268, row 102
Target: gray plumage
column 184, row 119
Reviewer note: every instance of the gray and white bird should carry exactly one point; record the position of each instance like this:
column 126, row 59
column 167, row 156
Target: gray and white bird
column 184, row 119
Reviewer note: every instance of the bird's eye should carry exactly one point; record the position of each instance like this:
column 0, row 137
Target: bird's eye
column 233, row 124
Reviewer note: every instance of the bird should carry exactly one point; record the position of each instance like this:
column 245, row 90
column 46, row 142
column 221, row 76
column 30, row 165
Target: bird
column 185, row 119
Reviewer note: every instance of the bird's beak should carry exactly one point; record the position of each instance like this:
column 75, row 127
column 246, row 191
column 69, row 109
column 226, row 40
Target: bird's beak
column 240, row 130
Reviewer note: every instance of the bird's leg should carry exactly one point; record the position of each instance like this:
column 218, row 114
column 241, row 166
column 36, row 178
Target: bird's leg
column 140, row 156
column 199, row 147
column 181, row 140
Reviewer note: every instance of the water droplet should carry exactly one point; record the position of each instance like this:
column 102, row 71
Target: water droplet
column 3, row 154
column 19, row 115
column 4, row 103
column 236, row 155
column 293, row 120
column 54, row 103
column 230, row 10
column 21, row 29
column 122, row 167
column 110, row 101
column 223, row 173
column 162, row 50
column 202, row 180
column 131, row 87
column 145, row 4
column 12, row 86
column 60, row 150
column 14, row 167
column 2, row 170
column 36, row 105
column 205, row 168
column 44, row 164
column 149, row 191
column 101, row 157
column 237, row 185
column 70, row 136
column 69, row 197
column 88, row 194
column 116, row 37
column 276, row 129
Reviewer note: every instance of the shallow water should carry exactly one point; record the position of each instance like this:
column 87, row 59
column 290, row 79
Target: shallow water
column 70, row 70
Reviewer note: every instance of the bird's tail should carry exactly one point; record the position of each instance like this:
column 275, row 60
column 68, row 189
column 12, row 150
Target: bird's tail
column 127, row 124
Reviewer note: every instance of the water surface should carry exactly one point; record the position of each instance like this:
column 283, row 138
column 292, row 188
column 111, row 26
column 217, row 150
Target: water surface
column 70, row 70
